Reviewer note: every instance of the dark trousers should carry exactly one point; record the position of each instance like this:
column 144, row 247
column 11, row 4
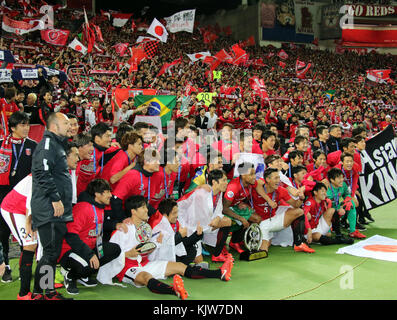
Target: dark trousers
column 51, row 237
column 80, row 268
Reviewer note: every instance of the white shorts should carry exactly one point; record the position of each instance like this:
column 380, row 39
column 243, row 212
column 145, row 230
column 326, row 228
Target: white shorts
column 270, row 226
column 17, row 224
column 155, row 268
column 322, row 227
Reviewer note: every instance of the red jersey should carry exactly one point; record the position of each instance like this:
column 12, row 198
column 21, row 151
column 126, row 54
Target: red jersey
column 164, row 184
column 316, row 210
column 118, row 163
column 280, row 196
column 227, row 148
column 136, row 182
column 256, row 147
column 87, row 223
column 237, row 193
column 8, row 108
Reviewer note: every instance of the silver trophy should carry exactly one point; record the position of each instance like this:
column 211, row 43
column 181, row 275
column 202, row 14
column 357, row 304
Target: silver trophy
column 143, row 235
column 253, row 241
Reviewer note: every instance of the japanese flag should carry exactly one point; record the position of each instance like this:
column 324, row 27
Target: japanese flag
column 78, row 46
column 199, row 55
column 157, row 30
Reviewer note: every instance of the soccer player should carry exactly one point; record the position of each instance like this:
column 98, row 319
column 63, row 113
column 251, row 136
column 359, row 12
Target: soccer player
column 342, row 203
column 281, row 217
column 15, row 164
column 323, row 136
column 101, row 135
column 176, row 245
column 83, row 250
column 205, row 207
column 137, row 181
column 140, row 272
column 319, row 212
column 238, row 203
column 132, row 146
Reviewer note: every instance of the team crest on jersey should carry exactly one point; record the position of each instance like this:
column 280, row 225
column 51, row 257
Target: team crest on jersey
column 230, row 194
column 308, row 203
column 28, row 152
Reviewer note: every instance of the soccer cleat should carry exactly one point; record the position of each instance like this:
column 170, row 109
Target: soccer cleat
column 220, row 258
column 362, row 221
column 343, row 240
column 55, row 296
column 226, row 253
column 7, row 277
column 344, row 224
column 227, row 270
column 58, row 285
column 357, row 234
column 236, row 246
column 88, row 282
column 360, row 227
column 303, row 247
column 369, row 217
column 25, row 297
column 179, row 287
column 37, row 296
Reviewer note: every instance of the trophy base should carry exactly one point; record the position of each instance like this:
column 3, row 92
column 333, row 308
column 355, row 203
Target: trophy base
column 253, row 255
column 146, row 247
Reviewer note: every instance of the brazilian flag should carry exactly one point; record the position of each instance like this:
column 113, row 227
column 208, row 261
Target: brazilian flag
column 330, row 94
column 158, row 106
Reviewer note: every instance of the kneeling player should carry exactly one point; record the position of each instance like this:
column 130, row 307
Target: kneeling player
column 277, row 219
column 318, row 210
column 139, row 271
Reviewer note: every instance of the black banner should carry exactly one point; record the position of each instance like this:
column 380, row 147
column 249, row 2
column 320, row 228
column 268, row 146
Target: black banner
column 378, row 183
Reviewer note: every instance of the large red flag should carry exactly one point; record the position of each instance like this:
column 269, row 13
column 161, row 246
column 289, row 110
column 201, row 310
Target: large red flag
column 240, row 55
column 167, row 66
column 301, row 68
column 57, row 37
column 137, row 55
column 282, row 55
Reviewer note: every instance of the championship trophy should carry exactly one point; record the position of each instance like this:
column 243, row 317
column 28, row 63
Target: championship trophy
column 252, row 241
column 143, row 235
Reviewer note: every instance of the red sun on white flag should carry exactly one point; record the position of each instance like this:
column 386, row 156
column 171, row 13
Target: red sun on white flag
column 159, row 30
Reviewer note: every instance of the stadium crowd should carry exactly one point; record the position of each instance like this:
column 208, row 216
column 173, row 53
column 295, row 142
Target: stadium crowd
column 81, row 175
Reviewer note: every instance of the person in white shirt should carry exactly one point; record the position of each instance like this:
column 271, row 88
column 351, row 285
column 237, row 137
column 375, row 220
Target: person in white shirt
column 212, row 117
column 124, row 113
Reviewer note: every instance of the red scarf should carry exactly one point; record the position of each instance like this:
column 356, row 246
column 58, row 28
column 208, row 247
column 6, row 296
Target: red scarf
column 6, row 158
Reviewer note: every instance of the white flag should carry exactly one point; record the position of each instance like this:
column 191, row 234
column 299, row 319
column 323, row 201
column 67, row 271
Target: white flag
column 120, row 19
column 198, row 55
column 181, row 21
column 157, row 30
column 144, row 39
column 78, row 46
